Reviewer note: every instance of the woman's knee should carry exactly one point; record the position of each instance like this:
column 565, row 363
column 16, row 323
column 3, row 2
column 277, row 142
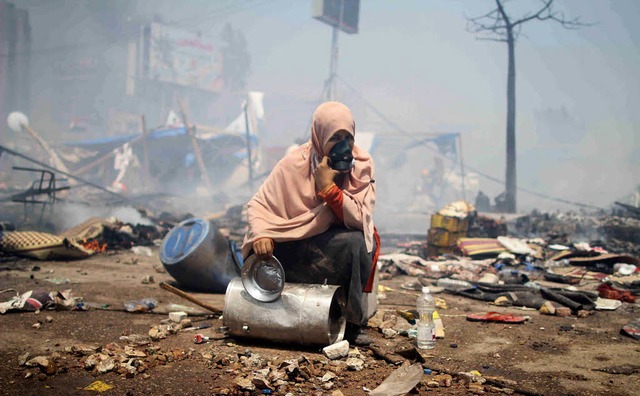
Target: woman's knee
column 354, row 238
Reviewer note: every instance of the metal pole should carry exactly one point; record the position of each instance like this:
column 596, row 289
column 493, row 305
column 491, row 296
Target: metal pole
column 333, row 65
column 145, row 149
column 248, row 137
column 464, row 190
column 196, row 149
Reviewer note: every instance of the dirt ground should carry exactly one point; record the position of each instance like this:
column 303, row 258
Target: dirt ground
column 547, row 355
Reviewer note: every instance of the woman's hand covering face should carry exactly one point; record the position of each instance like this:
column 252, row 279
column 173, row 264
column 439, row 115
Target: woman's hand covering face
column 324, row 174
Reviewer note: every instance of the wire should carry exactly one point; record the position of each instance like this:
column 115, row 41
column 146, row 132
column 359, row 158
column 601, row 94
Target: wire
column 492, row 178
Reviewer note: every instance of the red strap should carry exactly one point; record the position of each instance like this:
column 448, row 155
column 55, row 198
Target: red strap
column 369, row 286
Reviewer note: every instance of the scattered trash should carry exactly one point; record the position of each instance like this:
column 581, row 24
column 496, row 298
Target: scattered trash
column 559, row 247
column 198, row 327
column 632, row 329
column 496, row 317
column 626, row 369
column 401, row 381
column 144, row 305
column 453, row 284
column 41, row 246
column 29, row 301
column 607, row 291
column 606, row 304
column 337, row 350
column 177, row 316
column 98, row 386
column 142, row 251
column 58, row 281
column 439, row 325
column 624, row 269
column 200, row 339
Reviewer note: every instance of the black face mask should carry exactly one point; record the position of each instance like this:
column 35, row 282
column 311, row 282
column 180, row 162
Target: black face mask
column 340, row 156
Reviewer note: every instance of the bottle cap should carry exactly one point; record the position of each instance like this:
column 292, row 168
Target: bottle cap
column 425, row 289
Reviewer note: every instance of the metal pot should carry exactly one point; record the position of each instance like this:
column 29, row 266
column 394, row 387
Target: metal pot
column 199, row 257
column 304, row 314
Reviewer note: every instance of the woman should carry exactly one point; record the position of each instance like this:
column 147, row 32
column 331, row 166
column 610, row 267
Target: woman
column 318, row 221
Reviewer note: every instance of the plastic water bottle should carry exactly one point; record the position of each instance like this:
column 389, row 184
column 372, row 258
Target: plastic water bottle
column 426, row 328
column 144, row 305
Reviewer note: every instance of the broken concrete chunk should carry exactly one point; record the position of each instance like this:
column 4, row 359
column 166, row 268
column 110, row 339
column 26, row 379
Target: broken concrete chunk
column 355, row 364
column 548, row 308
column 46, row 364
column 389, row 333
column 106, row 365
column 444, row 380
column 328, row 376
column 261, row 382
column 158, row 332
column 563, row 312
column 433, row 384
column 132, row 352
column 22, row 359
column 82, row 349
column 176, row 317
column 244, row 383
column 337, row 350
column 327, row 385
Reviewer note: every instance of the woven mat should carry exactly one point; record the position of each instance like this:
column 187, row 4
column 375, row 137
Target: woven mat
column 41, row 246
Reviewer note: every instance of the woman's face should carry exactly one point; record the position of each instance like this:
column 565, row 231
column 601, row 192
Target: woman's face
column 337, row 137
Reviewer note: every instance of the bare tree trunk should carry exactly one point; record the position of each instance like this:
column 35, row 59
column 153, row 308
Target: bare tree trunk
column 511, row 186
column 499, row 24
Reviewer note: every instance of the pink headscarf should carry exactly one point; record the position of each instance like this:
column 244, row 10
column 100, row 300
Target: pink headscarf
column 286, row 206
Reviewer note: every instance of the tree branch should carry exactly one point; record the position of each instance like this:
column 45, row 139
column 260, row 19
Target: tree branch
column 504, row 15
column 534, row 16
column 498, row 22
column 504, row 40
column 547, row 14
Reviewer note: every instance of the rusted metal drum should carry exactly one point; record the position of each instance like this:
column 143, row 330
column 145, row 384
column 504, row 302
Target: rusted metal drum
column 198, row 256
column 304, row 314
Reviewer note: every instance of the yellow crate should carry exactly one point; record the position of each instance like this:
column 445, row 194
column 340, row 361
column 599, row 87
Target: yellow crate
column 453, row 224
column 435, row 251
column 443, row 237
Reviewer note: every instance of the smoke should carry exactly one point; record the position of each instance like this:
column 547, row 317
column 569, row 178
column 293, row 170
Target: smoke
column 67, row 215
column 577, row 127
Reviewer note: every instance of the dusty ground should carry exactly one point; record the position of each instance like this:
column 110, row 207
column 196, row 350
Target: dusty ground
column 548, row 355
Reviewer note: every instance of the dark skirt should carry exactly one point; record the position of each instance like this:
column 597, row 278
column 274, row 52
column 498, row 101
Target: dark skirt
column 339, row 257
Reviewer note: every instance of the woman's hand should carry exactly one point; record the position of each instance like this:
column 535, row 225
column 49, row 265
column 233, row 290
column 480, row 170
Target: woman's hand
column 324, row 174
column 263, row 247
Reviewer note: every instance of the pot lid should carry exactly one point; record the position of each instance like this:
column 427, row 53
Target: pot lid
column 183, row 240
column 262, row 278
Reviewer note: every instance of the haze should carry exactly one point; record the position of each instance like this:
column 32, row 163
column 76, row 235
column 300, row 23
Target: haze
column 415, row 63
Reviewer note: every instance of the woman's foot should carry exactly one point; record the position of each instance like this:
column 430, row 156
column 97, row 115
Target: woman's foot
column 356, row 336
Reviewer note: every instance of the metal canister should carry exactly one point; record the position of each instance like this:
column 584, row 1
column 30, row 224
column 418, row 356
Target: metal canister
column 306, row 314
column 198, row 256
